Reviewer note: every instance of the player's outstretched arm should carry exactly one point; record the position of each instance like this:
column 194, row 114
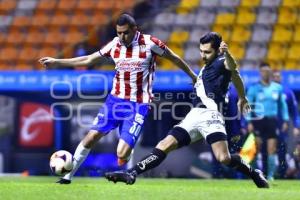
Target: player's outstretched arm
column 49, row 62
column 231, row 65
column 174, row 58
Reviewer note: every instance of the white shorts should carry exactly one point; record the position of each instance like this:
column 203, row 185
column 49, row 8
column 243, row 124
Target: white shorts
column 201, row 122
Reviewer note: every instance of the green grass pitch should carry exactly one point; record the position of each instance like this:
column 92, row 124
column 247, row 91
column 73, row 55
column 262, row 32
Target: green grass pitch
column 19, row 188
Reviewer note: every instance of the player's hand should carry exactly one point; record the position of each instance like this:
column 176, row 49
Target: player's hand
column 223, row 47
column 243, row 105
column 48, row 61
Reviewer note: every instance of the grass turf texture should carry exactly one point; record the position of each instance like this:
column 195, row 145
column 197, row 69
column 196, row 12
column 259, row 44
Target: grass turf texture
column 155, row 189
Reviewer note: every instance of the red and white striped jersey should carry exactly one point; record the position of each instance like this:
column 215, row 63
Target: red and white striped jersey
column 135, row 66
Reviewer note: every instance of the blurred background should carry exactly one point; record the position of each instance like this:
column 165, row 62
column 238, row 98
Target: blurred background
column 255, row 30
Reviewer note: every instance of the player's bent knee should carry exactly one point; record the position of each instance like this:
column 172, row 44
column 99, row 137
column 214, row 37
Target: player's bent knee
column 91, row 139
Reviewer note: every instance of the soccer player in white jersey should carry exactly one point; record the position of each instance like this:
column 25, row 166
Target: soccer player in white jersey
column 205, row 120
column 127, row 105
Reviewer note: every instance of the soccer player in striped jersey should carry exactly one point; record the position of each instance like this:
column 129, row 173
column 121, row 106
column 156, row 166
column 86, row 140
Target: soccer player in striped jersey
column 205, row 120
column 127, row 105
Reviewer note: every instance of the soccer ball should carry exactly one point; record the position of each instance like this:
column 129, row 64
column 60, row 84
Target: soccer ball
column 61, row 162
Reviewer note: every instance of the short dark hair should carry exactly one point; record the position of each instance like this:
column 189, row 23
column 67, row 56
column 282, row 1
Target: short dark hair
column 126, row 19
column 264, row 64
column 212, row 37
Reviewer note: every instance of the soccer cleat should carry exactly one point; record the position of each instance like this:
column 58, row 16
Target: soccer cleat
column 63, row 181
column 121, row 176
column 259, row 179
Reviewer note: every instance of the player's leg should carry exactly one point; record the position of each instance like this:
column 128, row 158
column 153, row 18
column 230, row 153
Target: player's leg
column 81, row 153
column 102, row 125
column 221, row 152
column 130, row 129
column 271, row 149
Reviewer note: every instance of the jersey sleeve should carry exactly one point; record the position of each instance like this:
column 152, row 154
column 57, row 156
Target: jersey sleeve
column 106, row 49
column 157, row 46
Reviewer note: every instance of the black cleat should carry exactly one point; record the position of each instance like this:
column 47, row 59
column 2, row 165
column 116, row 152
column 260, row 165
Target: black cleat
column 63, row 181
column 259, row 179
column 121, row 176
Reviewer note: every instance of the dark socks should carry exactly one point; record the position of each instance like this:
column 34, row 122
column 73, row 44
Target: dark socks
column 149, row 162
column 238, row 164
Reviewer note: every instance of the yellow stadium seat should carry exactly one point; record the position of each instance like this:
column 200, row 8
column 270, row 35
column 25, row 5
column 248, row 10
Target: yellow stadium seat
column 178, row 37
column 178, row 49
column 225, row 31
column 186, row 6
column 237, row 49
column 291, row 64
column 241, row 34
column 282, row 33
column 246, row 16
column 287, row 16
column 296, row 36
column 277, row 51
column 249, row 3
column 225, row 18
column 291, row 3
column 293, row 52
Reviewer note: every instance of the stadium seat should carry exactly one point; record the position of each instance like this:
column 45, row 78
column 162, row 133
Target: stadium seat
column 287, row 16
column 229, row 3
column 47, row 51
column 293, row 52
column 21, row 21
column 35, row 37
column 266, row 16
column 225, row 18
column 66, row 5
column 204, row 16
column 270, row 3
column 178, row 37
column 241, row 34
column 164, row 19
column 161, row 33
column 184, row 19
column 282, row 33
column 261, row 33
column 291, row 64
column 8, row 54
column 103, row 5
column 296, row 36
column 250, row 4
column 99, row 19
column 7, row 6
column 86, row 5
column 237, row 49
column 209, row 3
column 60, row 20
column 256, row 52
column 15, row 37
column 73, row 37
column 290, row 3
column 79, row 19
column 40, row 20
column 187, row 6
column 277, row 51
column 54, row 37
column 224, row 30
column 197, row 33
column 46, row 5
column 246, row 16
column 28, row 54
column 192, row 54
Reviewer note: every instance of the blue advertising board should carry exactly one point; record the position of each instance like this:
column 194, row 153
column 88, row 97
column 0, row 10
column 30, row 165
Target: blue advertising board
column 102, row 80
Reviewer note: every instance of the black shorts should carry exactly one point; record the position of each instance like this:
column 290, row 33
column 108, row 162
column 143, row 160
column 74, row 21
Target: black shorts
column 266, row 127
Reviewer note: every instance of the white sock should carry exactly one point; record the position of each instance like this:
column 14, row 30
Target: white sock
column 79, row 156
